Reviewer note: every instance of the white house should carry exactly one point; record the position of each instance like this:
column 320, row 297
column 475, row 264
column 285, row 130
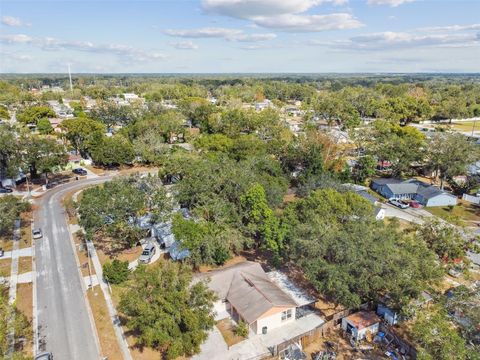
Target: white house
column 360, row 324
column 246, row 293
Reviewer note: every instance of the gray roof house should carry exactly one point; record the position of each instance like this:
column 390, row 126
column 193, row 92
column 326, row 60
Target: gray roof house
column 423, row 193
column 245, row 292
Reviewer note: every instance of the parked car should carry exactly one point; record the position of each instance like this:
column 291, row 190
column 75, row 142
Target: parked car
column 2, row 252
column 5, row 190
column 80, row 171
column 415, row 205
column 37, row 233
column 398, row 203
column 147, row 254
column 44, row 356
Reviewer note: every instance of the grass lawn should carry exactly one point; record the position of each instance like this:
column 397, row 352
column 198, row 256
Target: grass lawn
column 24, row 303
column 463, row 212
column 24, row 300
column 466, row 126
column 108, row 340
column 226, row 327
column 26, row 230
column 6, row 243
column 5, row 267
column 24, row 264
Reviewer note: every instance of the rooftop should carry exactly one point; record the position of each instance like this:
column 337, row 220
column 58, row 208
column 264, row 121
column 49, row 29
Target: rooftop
column 363, row 319
column 248, row 288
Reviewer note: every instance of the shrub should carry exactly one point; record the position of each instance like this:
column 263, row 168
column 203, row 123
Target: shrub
column 241, row 329
column 116, row 272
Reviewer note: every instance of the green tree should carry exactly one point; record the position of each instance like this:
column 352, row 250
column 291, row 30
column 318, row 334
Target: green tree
column 167, row 312
column 399, row 145
column 259, row 219
column 449, row 154
column 349, row 256
column 110, row 114
column 44, row 127
column 32, row 114
column 444, row 239
column 116, row 272
column 365, row 168
column 113, row 151
column 437, row 337
column 114, row 207
column 83, row 133
column 10, row 151
column 42, row 155
column 10, row 208
column 4, row 114
column 214, row 142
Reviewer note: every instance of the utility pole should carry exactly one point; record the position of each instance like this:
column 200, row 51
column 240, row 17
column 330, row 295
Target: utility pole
column 473, row 127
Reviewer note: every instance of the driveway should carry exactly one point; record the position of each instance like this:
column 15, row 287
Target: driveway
column 416, row 216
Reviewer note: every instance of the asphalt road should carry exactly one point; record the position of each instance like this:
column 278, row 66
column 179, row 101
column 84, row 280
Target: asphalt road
column 64, row 325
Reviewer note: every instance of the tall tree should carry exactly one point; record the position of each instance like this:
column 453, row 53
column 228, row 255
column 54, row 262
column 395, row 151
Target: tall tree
column 42, row 155
column 167, row 312
column 83, row 133
column 449, row 154
column 437, row 337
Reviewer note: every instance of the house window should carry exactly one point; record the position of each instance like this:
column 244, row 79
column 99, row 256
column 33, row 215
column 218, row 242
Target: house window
column 287, row 314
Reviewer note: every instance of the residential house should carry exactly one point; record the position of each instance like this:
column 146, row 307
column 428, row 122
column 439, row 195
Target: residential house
column 413, row 189
column 262, row 105
column 246, row 293
column 361, row 325
column 61, row 110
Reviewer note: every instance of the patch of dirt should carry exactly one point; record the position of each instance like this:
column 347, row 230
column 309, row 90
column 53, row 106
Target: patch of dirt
column 24, row 264
column 226, row 327
column 24, row 303
column 5, row 267
column 342, row 348
column 24, row 300
column 6, row 243
column 108, row 340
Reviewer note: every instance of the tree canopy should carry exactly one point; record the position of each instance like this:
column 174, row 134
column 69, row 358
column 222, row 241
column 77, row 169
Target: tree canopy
column 167, row 312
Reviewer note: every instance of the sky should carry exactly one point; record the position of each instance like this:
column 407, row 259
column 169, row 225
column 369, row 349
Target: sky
column 239, row 36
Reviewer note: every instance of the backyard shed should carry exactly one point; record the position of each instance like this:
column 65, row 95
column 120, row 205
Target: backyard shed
column 360, row 324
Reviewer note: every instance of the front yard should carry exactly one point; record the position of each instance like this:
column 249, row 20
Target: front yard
column 464, row 213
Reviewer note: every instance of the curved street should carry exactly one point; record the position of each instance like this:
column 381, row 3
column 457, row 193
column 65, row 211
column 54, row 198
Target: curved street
column 64, row 325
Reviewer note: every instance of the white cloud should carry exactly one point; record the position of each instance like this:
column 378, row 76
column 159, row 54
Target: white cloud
column 310, row 23
column 204, row 33
column 15, row 56
column 185, row 45
column 222, row 33
column 284, row 15
column 392, row 40
column 16, row 39
column 54, row 44
column 11, row 21
column 247, row 9
column 392, row 3
column 253, row 37
column 451, row 28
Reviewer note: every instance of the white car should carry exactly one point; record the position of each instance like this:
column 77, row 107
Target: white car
column 37, row 233
column 398, row 203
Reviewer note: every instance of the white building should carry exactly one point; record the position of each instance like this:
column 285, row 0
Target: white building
column 246, row 293
column 361, row 324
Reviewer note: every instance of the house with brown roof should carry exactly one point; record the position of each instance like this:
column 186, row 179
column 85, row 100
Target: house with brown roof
column 246, row 293
column 361, row 324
